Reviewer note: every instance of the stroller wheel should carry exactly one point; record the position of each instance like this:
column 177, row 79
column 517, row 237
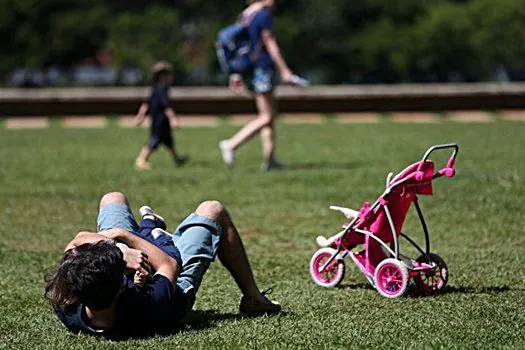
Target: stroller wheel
column 391, row 278
column 432, row 281
column 333, row 274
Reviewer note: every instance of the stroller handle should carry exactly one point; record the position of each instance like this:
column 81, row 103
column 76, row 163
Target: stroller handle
column 449, row 170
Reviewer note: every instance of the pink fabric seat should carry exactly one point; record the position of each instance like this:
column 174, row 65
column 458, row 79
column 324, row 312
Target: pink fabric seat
column 417, row 179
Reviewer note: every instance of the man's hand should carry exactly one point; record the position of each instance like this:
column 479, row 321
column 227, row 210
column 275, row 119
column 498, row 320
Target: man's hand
column 236, row 83
column 160, row 262
column 135, row 260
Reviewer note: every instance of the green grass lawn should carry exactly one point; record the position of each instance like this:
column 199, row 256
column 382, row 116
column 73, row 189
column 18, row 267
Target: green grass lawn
column 51, row 181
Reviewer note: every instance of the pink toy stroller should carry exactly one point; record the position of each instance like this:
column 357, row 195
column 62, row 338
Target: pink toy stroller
column 378, row 228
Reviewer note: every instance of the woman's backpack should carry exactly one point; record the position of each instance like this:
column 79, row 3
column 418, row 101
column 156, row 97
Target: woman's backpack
column 234, row 47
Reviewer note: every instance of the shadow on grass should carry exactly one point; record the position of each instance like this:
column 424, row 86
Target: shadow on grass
column 476, row 290
column 194, row 321
column 416, row 292
column 199, row 163
column 324, row 165
column 413, row 291
column 356, row 286
column 203, row 319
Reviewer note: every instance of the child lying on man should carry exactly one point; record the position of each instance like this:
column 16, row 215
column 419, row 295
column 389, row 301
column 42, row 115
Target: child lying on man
column 153, row 228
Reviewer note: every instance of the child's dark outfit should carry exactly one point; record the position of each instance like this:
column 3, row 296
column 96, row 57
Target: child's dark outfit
column 160, row 124
column 163, row 241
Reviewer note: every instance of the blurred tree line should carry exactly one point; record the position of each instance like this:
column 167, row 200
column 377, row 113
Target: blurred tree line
column 330, row 41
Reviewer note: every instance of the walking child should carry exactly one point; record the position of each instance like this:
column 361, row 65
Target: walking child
column 163, row 117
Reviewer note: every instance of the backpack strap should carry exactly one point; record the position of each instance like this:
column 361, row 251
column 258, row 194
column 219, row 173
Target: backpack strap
column 246, row 21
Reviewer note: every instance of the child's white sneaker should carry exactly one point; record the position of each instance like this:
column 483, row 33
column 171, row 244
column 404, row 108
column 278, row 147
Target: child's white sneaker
column 157, row 232
column 146, row 211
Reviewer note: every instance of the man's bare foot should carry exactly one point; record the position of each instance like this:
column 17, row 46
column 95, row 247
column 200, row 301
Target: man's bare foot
column 258, row 306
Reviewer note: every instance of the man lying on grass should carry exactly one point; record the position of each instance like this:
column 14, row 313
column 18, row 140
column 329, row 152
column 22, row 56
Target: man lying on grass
column 92, row 287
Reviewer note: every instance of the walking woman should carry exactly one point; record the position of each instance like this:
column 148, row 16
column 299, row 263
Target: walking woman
column 261, row 82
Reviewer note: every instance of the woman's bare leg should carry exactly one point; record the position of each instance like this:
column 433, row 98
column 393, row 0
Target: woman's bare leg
column 264, row 103
column 268, row 133
column 268, row 142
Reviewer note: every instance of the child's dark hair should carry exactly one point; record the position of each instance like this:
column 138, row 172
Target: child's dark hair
column 91, row 273
column 159, row 69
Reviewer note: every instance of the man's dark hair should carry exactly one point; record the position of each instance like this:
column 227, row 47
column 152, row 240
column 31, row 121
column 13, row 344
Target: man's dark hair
column 91, row 274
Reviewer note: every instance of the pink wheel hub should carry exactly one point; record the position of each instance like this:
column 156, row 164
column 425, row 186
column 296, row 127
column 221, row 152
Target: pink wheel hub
column 390, row 279
column 330, row 272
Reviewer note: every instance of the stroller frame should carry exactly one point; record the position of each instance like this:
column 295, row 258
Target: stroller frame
column 410, row 268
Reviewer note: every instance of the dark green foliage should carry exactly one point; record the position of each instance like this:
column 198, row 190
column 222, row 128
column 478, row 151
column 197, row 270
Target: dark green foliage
column 331, row 41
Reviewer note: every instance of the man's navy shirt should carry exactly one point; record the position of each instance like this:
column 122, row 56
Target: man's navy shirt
column 155, row 309
column 158, row 307
column 158, row 102
column 262, row 20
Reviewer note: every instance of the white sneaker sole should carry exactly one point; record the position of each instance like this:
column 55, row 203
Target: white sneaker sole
column 145, row 210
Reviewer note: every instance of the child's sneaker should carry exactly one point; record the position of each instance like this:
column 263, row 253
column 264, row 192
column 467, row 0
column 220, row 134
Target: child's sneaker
column 181, row 160
column 157, row 232
column 252, row 307
column 146, row 211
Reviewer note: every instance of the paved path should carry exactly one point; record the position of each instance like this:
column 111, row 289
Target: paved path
column 126, row 121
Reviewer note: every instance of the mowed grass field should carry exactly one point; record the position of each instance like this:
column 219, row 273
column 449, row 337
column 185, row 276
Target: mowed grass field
column 51, row 181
